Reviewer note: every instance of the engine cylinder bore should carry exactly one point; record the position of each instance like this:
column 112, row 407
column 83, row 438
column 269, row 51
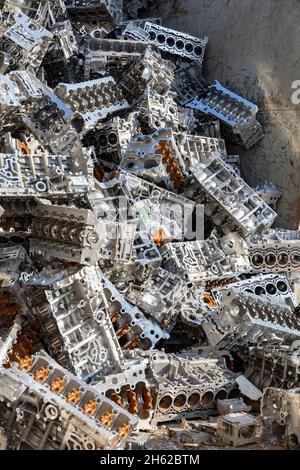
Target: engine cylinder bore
column 179, row 44
column 179, row 401
column 207, row 398
column 295, row 258
column 259, row 290
column 283, row 259
column 271, row 289
column 170, row 41
column 221, row 394
column 257, row 260
column 198, row 51
column 282, row 286
column 189, row 47
column 194, row 399
column 165, row 403
column 270, row 259
column 161, row 38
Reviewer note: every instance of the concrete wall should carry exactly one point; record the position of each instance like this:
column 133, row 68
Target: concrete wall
column 254, row 50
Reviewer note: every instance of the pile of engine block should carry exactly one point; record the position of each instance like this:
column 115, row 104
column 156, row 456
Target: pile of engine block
column 141, row 281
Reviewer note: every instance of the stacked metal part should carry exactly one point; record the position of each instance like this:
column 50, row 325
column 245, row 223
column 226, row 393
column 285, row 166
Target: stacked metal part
column 140, row 279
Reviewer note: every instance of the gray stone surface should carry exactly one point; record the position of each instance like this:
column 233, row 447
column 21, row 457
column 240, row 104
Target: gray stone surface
column 254, row 50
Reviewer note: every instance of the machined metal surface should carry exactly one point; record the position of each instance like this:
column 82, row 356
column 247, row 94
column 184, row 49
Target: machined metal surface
column 141, row 281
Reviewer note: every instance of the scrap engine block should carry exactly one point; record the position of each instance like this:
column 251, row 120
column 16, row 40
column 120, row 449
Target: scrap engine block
column 144, row 293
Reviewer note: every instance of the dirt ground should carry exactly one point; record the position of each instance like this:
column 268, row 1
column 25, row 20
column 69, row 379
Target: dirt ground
column 254, row 50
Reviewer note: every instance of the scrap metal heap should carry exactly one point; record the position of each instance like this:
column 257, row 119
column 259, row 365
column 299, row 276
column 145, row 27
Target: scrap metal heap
column 141, row 281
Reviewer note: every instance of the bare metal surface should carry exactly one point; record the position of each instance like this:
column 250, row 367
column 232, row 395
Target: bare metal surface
column 144, row 290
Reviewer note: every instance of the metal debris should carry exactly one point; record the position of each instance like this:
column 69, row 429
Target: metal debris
column 141, row 281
